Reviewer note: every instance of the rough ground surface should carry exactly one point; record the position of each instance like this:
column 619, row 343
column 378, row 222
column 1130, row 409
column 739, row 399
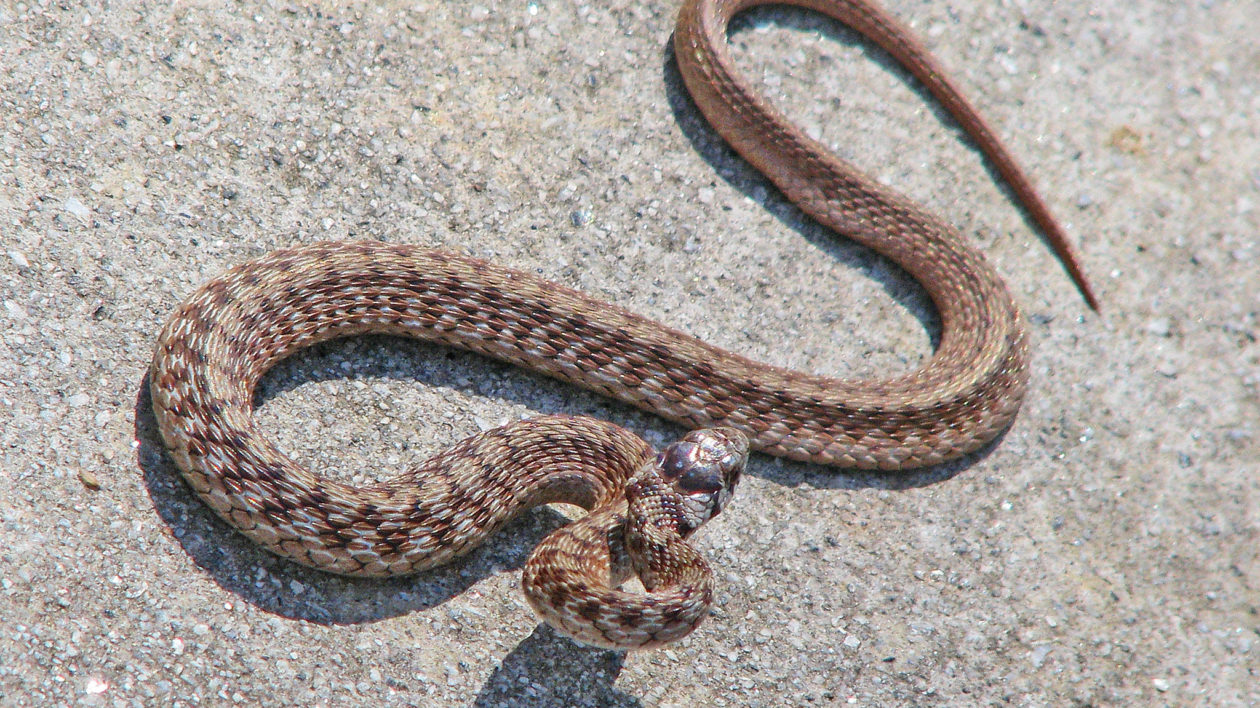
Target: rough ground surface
column 1102, row 552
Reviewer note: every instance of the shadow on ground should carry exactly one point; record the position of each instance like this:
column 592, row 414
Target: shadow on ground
column 547, row 669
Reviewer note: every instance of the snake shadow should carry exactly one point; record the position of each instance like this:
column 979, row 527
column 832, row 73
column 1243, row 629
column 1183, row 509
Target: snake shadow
column 547, row 669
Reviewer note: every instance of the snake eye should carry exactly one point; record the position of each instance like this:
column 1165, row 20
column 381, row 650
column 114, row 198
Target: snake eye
column 702, row 478
column 677, row 459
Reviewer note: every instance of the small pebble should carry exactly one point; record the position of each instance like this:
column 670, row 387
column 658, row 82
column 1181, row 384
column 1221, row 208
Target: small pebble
column 78, row 208
column 89, row 480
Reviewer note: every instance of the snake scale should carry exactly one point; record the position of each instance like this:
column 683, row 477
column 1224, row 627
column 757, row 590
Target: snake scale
column 642, row 504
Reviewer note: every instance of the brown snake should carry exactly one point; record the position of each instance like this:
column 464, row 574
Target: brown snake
column 215, row 348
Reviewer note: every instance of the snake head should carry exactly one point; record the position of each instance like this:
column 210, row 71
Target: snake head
column 702, row 470
column 687, row 484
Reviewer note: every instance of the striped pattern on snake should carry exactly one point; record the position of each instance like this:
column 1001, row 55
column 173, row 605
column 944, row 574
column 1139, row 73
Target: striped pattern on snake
column 218, row 344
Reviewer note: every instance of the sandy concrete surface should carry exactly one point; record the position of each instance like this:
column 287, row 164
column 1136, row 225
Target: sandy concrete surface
column 1103, row 552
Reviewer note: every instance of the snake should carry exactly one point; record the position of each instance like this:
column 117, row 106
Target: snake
column 642, row 505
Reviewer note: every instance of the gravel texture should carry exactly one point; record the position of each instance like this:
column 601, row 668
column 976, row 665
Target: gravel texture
column 1102, row 552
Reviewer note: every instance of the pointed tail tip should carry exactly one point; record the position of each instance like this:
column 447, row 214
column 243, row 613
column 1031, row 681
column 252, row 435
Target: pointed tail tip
column 1082, row 283
column 1087, row 291
column 1067, row 255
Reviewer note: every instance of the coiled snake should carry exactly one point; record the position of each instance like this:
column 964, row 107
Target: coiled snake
column 215, row 348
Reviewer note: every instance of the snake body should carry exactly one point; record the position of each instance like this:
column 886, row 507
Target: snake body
column 218, row 344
